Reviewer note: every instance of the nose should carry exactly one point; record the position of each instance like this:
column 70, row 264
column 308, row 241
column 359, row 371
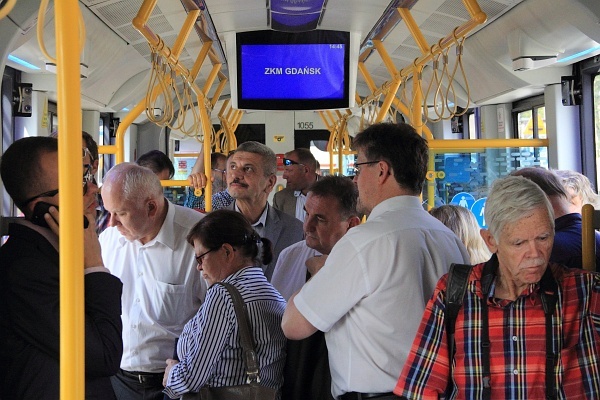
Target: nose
column 533, row 249
column 113, row 221
column 309, row 225
column 355, row 178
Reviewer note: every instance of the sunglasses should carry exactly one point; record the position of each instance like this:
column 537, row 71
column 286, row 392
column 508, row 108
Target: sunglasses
column 287, row 162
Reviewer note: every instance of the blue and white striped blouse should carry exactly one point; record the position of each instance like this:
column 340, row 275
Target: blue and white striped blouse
column 209, row 347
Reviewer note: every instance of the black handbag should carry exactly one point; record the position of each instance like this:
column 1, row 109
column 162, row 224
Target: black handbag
column 252, row 390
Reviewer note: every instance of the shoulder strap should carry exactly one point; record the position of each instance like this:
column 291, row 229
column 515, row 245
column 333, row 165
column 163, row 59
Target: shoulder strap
column 458, row 277
column 549, row 296
column 247, row 341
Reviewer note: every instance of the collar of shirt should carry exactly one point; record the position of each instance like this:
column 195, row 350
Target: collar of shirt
column 531, row 292
column 263, row 217
column 395, row 203
column 166, row 235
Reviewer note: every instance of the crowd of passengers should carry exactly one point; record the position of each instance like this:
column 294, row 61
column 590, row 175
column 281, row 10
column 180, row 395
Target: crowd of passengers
column 337, row 309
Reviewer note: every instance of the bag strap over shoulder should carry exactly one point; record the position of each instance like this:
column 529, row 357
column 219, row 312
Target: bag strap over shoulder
column 241, row 313
column 458, row 277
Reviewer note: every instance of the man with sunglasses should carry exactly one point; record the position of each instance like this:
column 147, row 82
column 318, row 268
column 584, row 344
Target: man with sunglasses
column 29, row 289
column 299, row 171
column 369, row 295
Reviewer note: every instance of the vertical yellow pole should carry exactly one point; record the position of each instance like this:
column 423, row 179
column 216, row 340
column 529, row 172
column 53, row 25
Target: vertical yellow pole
column 72, row 339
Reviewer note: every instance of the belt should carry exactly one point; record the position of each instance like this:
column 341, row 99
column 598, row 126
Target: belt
column 144, row 377
column 360, row 396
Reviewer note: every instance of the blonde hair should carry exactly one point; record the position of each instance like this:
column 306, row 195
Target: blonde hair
column 462, row 222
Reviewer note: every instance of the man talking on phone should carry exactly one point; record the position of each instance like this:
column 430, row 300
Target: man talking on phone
column 29, row 288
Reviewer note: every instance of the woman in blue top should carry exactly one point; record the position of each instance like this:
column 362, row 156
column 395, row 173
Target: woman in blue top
column 209, row 348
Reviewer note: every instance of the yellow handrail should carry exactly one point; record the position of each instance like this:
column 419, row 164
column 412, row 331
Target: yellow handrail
column 72, row 335
column 4, row 11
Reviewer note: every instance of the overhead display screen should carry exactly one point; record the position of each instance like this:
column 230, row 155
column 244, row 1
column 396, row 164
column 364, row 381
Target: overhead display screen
column 301, row 71
column 273, row 70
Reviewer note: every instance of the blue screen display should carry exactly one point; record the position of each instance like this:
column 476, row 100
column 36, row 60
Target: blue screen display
column 293, row 71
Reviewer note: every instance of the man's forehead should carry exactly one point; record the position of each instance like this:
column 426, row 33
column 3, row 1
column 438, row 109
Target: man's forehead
column 325, row 203
column 246, row 158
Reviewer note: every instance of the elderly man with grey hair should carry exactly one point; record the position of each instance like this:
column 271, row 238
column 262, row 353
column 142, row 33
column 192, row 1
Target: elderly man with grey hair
column 250, row 178
column 567, row 248
column 146, row 247
column 527, row 328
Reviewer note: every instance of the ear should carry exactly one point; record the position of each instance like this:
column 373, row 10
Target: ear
column 228, row 249
column 384, row 171
column 271, row 183
column 353, row 221
column 489, row 240
column 152, row 208
column 95, row 167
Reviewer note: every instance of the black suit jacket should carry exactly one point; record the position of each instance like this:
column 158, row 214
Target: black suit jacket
column 29, row 321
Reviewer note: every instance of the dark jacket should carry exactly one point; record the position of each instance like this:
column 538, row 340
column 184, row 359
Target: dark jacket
column 29, row 321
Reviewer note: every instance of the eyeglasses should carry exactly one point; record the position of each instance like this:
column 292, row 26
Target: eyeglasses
column 201, row 256
column 220, row 170
column 87, row 177
column 357, row 166
column 50, row 193
column 287, row 162
column 86, row 151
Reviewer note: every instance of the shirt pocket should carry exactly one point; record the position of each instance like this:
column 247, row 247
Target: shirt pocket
column 171, row 305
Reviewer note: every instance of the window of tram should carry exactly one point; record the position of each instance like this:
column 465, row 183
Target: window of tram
column 464, row 179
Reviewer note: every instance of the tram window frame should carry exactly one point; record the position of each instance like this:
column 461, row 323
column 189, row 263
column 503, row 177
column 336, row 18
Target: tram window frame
column 536, row 106
column 588, row 70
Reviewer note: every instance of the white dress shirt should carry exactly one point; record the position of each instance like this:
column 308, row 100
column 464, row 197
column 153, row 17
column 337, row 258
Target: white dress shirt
column 289, row 274
column 162, row 289
column 370, row 295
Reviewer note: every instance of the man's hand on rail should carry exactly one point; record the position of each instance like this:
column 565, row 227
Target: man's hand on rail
column 198, row 180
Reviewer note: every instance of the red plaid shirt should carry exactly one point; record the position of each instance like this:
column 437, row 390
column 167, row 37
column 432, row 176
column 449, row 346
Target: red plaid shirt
column 518, row 343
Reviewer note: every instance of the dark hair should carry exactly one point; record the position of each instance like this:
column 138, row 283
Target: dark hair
column 215, row 158
column 228, row 226
column 157, row 161
column 548, row 181
column 340, row 188
column 400, row 146
column 304, row 157
column 91, row 145
column 21, row 170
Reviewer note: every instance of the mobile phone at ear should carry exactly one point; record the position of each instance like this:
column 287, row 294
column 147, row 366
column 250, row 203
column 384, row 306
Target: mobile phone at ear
column 41, row 208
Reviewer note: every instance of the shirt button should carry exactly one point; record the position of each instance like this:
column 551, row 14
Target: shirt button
column 134, row 326
column 515, row 372
column 137, row 300
column 514, row 338
column 140, row 273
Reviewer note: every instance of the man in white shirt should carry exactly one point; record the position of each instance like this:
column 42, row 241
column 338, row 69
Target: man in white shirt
column 330, row 213
column 369, row 296
column 299, row 171
column 146, row 247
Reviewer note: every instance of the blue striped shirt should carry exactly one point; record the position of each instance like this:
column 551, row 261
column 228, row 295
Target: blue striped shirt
column 209, row 347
